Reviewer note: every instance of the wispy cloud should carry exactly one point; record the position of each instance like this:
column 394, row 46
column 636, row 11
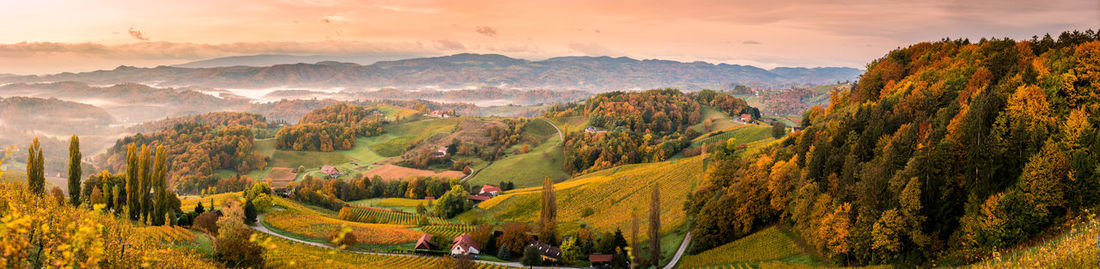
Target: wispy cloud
column 486, row 30
column 138, row 35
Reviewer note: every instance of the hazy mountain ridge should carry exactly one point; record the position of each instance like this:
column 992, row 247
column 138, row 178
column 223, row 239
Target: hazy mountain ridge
column 467, row 71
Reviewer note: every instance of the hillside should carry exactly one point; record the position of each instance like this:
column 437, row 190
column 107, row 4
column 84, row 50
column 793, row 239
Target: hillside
column 466, row 70
column 943, row 152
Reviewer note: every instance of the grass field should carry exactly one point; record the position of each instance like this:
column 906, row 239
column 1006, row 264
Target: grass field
column 611, row 194
column 770, row 245
column 525, row 170
column 719, row 119
column 746, row 134
column 571, row 124
column 394, row 112
column 1077, row 248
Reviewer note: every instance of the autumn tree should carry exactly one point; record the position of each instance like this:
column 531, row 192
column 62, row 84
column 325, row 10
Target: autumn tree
column 74, row 170
column 133, row 183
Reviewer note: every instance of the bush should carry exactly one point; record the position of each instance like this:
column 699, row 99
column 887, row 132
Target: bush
column 531, row 256
column 347, row 240
column 587, row 212
column 207, row 222
column 235, row 250
column 249, row 212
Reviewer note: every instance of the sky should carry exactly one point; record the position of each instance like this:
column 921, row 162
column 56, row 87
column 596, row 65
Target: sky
column 49, row 36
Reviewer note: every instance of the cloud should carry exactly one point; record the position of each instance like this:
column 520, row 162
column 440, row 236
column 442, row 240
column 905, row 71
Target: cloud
column 486, row 30
column 750, row 42
column 450, row 45
column 138, row 35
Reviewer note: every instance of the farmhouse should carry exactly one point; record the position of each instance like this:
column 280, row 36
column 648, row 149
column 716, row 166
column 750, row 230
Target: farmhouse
column 441, row 152
column 464, row 245
column 330, row 171
column 746, row 118
column 479, row 198
column 601, row 260
column 490, row 190
column 594, row 130
column 425, row 243
column 549, row 253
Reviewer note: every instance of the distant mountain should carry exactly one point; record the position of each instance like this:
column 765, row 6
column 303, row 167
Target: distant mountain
column 467, row 71
column 277, row 59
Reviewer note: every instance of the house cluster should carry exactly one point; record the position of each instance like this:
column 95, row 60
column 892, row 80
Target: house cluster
column 487, row 192
column 439, row 114
column 745, row 118
column 594, row 130
column 464, row 245
column 330, row 171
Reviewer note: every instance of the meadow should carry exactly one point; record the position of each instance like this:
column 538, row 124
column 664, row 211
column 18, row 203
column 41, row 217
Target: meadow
column 765, row 246
column 527, row 169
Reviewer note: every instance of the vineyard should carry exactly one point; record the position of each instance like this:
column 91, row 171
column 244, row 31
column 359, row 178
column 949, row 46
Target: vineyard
column 610, row 195
column 282, row 253
column 188, row 203
column 166, row 234
column 767, row 245
column 383, row 216
column 317, row 227
column 449, row 230
column 1078, row 248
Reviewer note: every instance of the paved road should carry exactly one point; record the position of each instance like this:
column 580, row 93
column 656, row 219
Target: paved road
column 680, row 252
column 560, row 135
column 261, row 228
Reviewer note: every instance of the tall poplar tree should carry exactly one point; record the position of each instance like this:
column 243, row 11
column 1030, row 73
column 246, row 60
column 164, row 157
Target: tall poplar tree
column 74, row 170
column 133, row 180
column 548, row 216
column 36, row 177
column 655, row 225
column 160, row 173
column 144, row 185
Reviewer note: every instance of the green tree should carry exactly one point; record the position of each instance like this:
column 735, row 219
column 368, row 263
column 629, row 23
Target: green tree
column 249, row 212
column 779, row 129
column 36, row 176
column 145, row 185
column 74, row 170
column 548, row 215
column 160, row 188
column 571, row 253
column 531, row 256
column 133, row 183
column 453, row 202
column 655, row 225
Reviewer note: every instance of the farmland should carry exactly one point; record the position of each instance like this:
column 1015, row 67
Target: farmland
column 377, row 215
column 321, row 228
column 393, row 172
column 282, row 253
column 611, row 194
column 768, row 245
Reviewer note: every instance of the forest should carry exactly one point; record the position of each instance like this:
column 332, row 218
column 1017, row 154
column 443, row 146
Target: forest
column 637, row 127
column 333, row 127
column 196, row 149
column 942, row 153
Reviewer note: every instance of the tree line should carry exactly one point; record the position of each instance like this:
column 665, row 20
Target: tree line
column 330, row 128
column 943, row 151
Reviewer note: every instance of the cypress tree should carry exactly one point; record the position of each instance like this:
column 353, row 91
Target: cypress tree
column 74, row 170
column 36, row 180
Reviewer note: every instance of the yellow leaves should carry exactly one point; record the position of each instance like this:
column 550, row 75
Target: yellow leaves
column 1074, row 127
column 834, row 229
column 888, row 231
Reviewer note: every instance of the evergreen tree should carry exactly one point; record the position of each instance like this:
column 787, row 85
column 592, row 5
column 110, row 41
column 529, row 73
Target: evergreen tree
column 74, row 170
column 249, row 212
column 36, row 177
column 199, row 209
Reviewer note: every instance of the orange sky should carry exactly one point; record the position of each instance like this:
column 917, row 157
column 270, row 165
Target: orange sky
column 45, row 36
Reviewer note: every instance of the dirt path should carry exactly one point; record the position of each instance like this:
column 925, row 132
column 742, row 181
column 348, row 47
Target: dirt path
column 680, row 252
column 560, row 134
column 261, row 228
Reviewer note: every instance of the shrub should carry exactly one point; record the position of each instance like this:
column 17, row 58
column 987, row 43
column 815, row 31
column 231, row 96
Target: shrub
column 531, row 256
column 207, row 222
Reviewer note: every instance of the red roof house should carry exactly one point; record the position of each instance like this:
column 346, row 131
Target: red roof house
column 425, row 243
column 490, row 190
column 464, row 245
column 330, row 171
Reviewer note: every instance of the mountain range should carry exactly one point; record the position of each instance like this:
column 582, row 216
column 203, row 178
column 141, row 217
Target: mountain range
column 595, row 74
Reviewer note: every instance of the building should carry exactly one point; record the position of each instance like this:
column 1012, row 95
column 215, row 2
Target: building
column 601, row 260
column 490, row 190
column 441, row 152
column 425, row 243
column 464, row 245
column 746, row 118
column 549, row 253
column 332, row 172
column 479, row 198
column 594, row 130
